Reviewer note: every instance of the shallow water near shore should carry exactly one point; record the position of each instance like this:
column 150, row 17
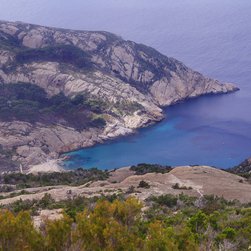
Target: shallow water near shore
column 213, row 37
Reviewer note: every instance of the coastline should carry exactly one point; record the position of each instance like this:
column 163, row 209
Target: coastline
column 136, row 131
column 50, row 166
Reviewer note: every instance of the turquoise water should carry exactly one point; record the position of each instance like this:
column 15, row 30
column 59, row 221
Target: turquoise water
column 211, row 36
column 182, row 138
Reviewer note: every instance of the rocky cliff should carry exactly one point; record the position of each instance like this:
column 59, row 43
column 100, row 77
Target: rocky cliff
column 242, row 168
column 128, row 83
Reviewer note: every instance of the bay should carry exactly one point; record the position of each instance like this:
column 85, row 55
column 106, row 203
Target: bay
column 211, row 36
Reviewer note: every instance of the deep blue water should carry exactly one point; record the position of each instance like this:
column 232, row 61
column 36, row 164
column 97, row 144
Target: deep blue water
column 211, row 36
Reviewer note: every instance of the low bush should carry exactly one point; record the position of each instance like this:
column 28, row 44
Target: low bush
column 168, row 200
column 116, row 223
column 143, row 168
column 178, row 186
column 143, row 184
column 76, row 177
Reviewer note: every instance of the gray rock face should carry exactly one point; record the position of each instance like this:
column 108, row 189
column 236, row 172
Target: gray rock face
column 122, row 73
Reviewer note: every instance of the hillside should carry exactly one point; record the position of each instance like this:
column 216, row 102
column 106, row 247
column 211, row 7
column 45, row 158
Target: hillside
column 194, row 181
column 149, row 207
column 178, row 223
column 83, row 88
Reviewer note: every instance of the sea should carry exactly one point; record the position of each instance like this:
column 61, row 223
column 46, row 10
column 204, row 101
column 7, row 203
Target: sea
column 210, row 36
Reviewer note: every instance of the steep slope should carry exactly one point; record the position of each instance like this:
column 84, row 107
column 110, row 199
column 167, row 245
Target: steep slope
column 242, row 168
column 124, row 83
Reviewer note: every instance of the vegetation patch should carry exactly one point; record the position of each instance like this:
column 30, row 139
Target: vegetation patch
column 72, row 178
column 6, row 162
column 28, row 102
column 8, row 42
column 143, row 168
column 68, row 54
column 143, row 184
column 168, row 200
column 178, row 186
column 118, row 223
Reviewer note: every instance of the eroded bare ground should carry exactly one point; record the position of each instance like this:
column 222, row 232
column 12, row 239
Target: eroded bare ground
column 202, row 180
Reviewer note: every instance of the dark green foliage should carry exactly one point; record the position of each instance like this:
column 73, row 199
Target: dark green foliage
column 178, row 186
column 211, row 203
column 186, row 200
column 6, row 188
column 143, row 184
column 168, row 200
column 46, row 201
column 143, row 168
column 72, row 206
column 95, row 222
column 27, row 102
column 98, row 122
column 21, row 205
column 8, row 42
column 6, row 162
column 76, row 177
column 68, row 54
column 32, row 205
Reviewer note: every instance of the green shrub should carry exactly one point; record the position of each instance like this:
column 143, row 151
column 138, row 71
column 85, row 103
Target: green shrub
column 177, row 186
column 143, row 168
column 168, row 200
column 143, row 184
column 75, row 177
column 28, row 102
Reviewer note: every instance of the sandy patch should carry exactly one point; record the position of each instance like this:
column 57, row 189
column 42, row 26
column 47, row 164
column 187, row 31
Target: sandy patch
column 50, row 166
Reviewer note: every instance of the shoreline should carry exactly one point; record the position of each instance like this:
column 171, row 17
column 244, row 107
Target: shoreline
column 50, row 166
column 149, row 124
column 134, row 134
column 57, row 165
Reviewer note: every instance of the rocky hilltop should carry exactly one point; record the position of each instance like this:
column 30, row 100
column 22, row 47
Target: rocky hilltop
column 118, row 85
column 242, row 168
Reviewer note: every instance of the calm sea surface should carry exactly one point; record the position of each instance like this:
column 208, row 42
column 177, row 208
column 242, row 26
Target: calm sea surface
column 211, row 36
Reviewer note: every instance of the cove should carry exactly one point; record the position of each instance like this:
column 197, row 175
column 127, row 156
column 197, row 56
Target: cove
column 210, row 36
column 201, row 131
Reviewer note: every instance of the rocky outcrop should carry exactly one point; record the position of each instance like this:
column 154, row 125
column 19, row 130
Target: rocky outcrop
column 242, row 168
column 133, row 81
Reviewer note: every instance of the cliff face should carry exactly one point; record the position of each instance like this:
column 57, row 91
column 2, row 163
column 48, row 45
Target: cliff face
column 128, row 82
column 242, row 168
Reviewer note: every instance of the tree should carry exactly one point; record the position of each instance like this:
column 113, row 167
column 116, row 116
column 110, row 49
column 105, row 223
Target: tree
column 159, row 238
column 18, row 233
column 198, row 224
column 58, row 234
column 143, row 184
column 111, row 226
